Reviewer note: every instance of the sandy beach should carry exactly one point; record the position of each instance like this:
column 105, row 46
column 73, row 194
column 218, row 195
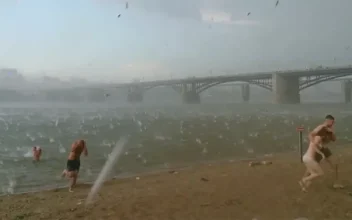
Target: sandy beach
column 223, row 190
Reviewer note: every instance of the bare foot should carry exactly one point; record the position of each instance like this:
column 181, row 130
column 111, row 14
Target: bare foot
column 63, row 174
column 70, row 190
column 303, row 187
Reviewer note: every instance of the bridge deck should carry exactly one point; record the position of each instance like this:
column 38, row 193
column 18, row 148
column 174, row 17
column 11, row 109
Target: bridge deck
column 241, row 77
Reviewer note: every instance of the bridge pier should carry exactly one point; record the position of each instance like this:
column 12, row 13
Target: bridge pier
column 245, row 90
column 286, row 89
column 135, row 94
column 347, row 90
column 189, row 94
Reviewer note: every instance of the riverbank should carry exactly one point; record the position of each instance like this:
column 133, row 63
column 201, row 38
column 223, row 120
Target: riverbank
column 224, row 190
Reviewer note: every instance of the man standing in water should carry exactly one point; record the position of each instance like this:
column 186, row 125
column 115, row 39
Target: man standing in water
column 37, row 153
column 73, row 162
column 322, row 134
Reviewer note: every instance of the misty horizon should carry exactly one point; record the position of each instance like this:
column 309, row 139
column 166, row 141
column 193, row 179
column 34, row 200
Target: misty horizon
column 162, row 39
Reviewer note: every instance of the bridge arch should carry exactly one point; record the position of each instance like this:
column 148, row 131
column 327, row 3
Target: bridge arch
column 260, row 83
column 311, row 81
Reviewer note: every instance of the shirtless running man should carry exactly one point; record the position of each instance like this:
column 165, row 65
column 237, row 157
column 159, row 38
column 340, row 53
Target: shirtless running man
column 322, row 134
column 73, row 162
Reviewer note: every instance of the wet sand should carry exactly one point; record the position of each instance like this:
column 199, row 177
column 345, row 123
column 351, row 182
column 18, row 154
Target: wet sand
column 224, row 190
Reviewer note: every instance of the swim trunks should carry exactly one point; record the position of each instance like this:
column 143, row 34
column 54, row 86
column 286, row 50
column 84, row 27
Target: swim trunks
column 73, row 165
column 326, row 151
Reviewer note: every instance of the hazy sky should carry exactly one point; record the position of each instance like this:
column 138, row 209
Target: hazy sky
column 178, row 38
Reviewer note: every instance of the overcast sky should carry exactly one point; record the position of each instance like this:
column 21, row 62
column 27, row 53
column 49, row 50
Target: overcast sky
column 172, row 38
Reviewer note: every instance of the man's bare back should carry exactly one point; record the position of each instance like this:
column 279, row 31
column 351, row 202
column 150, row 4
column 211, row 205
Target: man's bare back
column 76, row 150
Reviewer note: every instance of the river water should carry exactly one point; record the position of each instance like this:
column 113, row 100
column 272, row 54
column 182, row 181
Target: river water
column 159, row 137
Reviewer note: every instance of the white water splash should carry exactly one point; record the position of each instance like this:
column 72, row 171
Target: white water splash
column 11, row 187
column 40, row 135
column 205, row 151
column 250, row 150
column 160, row 138
column 62, row 149
column 253, row 134
column 106, row 143
column 5, row 123
column 28, row 154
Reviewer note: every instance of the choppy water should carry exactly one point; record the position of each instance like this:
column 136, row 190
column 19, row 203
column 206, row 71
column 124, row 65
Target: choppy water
column 158, row 136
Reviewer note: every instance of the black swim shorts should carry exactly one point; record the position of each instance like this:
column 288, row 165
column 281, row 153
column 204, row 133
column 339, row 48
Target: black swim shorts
column 73, row 165
column 326, row 151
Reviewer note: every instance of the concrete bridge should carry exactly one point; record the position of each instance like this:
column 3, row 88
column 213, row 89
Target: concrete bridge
column 285, row 85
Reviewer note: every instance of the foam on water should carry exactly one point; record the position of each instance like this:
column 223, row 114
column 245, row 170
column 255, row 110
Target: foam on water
column 28, row 154
column 161, row 136
column 62, row 149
